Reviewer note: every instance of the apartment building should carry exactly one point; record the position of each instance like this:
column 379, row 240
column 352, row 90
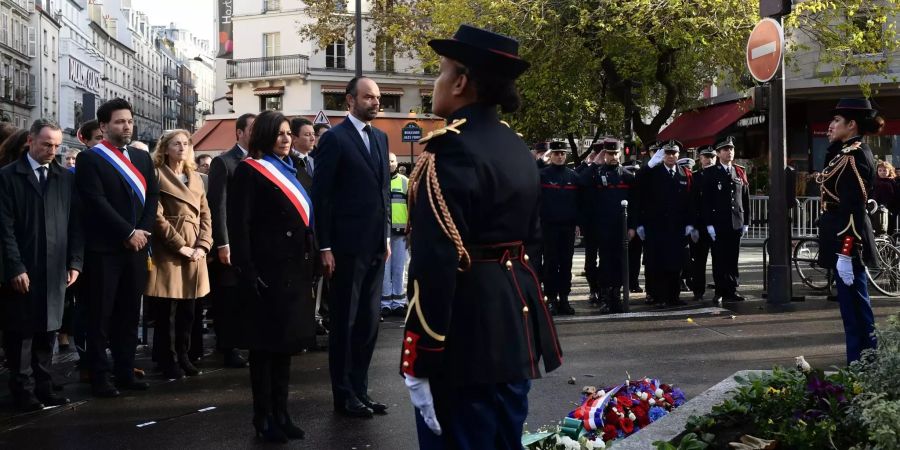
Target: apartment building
column 18, row 45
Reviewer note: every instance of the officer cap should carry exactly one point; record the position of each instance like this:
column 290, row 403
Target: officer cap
column 727, row 141
column 483, row 49
column 706, row 150
column 558, row 146
column 597, row 146
column 540, row 147
column 673, row 145
column 854, row 107
column 611, row 145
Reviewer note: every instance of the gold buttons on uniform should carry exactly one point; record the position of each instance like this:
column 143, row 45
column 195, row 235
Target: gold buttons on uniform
column 405, row 363
column 405, row 352
column 289, row 234
column 525, row 309
column 508, row 265
column 527, row 258
column 409, row 340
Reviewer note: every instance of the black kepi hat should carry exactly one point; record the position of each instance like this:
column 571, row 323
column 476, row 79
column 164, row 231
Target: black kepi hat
column 477, row 48
column 558, row 146
column 854, row 107
column 673, row 145
column 706, row 150
column 727, row 141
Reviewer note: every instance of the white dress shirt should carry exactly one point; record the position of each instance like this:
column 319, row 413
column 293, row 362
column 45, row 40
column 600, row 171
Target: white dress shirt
column 34, row 167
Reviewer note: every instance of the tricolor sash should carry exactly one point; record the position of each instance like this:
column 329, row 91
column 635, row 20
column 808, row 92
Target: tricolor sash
column 126, row 169
column 289, row 185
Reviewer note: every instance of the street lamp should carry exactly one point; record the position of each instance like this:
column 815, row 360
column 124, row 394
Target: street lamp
column 358, row 38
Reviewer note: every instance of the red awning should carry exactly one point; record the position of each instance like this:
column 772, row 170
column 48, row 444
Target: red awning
column 216, row 135
column 700, row 127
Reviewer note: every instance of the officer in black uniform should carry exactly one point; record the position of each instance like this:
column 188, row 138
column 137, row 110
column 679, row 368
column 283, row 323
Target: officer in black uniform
column 725, row 213
column 612, row 183
column 664, row 219
column 846, row 239
column 559, row 214
column 700, row 237
column 540, row 155
column 586, row 204
column 474, row 197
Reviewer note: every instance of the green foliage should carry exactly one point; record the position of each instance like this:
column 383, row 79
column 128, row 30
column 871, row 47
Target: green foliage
column 689, row 441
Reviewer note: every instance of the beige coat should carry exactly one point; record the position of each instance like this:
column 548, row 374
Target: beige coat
column 182, row 219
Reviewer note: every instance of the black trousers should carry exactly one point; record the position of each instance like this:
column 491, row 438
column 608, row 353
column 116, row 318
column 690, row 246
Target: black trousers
column 355, row 300
column 68, row 319
column 113, row 283
column 559, row 247
column 270, row 374
column 725, row 250
column 591, row 262
column 195, row 350
column 172, row 332
column 225, row 305
column 699, row 256
column 665, row 286
column 635, row 248
column 28, row 357
column 612, row 258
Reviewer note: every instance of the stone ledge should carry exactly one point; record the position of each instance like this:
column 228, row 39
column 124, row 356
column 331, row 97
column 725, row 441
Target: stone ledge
column 673, row 424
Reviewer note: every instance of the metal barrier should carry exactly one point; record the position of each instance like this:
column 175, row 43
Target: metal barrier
column 804, row 217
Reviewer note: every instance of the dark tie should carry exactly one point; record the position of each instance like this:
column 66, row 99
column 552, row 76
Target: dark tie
column 373, row 146
column 42, row 176
column 672, row 173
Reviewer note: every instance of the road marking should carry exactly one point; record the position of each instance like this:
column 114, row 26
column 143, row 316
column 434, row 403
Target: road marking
column 762, row 50
column 639, row 315
column 206, row 409
column 146, row 424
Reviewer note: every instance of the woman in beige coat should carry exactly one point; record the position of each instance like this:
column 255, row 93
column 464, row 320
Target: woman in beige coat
column 181, row 239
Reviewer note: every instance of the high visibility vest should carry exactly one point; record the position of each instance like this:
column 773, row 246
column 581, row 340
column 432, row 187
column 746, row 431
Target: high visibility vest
column 399, row 212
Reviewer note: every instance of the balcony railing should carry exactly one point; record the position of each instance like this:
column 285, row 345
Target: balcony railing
column 272, row 66
column 271, row 5
column 170, row 73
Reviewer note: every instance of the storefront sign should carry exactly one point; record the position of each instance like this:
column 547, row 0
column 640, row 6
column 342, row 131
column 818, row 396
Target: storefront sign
column 751, row 121
column 84, row 76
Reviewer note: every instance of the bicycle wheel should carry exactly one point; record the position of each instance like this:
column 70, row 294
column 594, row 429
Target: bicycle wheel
column 886, row 278
column 806, row 262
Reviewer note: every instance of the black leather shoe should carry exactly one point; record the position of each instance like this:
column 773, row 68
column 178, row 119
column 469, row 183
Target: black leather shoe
column 377, row 408
column 286, row 425
column 698, row 297
column 28, row 403
column 267, row 430
column 171, row 371
column 234, row 360
column 132, row 385
column 637, row 290
column 103, row 388
column 52, row 399
column 352, row 407
column 735, row 298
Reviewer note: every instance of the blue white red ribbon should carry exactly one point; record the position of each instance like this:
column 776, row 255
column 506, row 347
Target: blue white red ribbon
column 126, row 169
column 289, row 186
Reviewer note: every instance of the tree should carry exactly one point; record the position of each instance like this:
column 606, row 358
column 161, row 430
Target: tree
column 591, row 59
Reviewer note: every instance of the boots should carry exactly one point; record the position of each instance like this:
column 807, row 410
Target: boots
column 185, row 363
column 564, row 308
column 552, row 305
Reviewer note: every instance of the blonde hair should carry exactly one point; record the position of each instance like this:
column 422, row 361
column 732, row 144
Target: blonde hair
column 891, row 173
column 159, row 154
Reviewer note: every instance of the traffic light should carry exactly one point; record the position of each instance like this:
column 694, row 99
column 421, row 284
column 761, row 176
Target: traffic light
column 629, row 148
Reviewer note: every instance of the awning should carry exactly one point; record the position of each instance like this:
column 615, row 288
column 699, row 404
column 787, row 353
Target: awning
column 271, row 90
column 216, row 135
column 700, row 127
column 426, row 92
column 391, row 91
column 333, row 89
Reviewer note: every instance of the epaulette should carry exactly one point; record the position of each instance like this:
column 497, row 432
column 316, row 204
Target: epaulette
column 442, row 131
column 507, row 126
column 851, row 147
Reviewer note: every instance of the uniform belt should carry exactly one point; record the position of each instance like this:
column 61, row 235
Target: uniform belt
column 496, row 252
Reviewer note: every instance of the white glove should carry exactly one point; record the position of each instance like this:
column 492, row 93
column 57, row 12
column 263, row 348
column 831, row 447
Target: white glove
column 640, row 233
column 695, row 236
column 711, row 230
column 420, row 394
column 656, row 159
column 845, row 269
column 744, row 230
column 688, row 230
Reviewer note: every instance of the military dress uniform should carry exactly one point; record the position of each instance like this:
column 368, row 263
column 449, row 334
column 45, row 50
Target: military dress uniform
column 845, row 229
column 586, row 203
column 726, row 207
column 700, row 249
column 612, row 184
column 559, row 214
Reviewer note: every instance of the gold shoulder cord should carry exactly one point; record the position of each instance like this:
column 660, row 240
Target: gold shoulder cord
column 836, row 168
column 427, row 167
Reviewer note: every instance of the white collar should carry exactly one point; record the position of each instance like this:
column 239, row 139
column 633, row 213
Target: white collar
column 34, row 164
column 358, row 124
column 243, row 151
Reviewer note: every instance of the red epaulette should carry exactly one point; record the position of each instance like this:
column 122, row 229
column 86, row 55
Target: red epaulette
column 742, row 174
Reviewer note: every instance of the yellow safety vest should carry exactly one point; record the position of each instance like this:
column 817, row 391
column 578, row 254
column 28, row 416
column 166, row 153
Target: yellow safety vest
column 399, row 213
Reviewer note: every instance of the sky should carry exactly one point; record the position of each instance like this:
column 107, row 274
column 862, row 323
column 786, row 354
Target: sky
column 198, row 16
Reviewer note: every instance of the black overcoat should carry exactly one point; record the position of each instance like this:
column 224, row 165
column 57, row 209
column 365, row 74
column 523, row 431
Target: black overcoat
column 664, row 212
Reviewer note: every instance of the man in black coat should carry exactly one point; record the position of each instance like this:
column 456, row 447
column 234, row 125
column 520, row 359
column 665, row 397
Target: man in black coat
column 351, row 201
column 42, row 252
column 118, row 188
column 700, row 238
column 725, row 212
column 664, row 220
column 223, row 280
column 559, row 215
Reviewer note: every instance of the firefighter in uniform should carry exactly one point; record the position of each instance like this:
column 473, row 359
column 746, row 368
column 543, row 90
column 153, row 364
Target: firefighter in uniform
column 664, row 220
column 700, row 238
column 476, row 327
column 586, row 204
column 559, row 214
column 725, row 214
column 393, row 297
column 846, row 239
column 612, row 184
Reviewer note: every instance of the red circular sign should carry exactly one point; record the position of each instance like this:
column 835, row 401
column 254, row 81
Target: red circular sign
column 765, row 49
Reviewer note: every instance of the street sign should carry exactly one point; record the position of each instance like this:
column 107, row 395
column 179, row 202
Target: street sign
column 765, row 49
column 412, row 132
column 321, row 118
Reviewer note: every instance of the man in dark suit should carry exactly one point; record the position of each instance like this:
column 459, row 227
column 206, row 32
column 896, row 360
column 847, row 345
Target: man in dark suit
column 223, row 279
column 303, row 139
column 117, row 186
column 351, row 200
column 42, row 252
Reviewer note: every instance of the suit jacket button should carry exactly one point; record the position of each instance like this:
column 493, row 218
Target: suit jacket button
column 288, row 234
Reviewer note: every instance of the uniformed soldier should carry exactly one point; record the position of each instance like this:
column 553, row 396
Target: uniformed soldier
column 701, row 240
column 586, row 203
column 559, row 214
column 846, row 239
column 664, row 220
column 725, row 213
column 474, row 198
column 612, row 183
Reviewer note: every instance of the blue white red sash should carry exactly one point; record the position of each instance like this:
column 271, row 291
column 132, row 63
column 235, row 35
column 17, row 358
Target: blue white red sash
column 289, row 186
column 131, row 174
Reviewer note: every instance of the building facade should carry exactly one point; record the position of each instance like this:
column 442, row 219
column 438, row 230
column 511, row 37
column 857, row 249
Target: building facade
column 45, row 64
column 80, row 70
column 147, row 80
column 18, row 45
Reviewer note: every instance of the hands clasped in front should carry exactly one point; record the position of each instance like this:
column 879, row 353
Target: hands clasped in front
column 137, row 241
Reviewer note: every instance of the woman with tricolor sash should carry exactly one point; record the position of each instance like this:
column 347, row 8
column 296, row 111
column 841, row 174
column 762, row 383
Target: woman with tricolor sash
column 270, row 229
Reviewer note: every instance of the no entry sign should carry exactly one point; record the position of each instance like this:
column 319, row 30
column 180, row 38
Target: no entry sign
column 765, row 49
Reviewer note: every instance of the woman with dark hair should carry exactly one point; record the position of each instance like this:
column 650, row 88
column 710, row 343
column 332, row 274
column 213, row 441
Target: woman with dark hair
column 13, row 147
column 269, row 218
column 846, row 239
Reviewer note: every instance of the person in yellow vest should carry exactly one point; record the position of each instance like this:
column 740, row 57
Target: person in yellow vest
column 393, row 296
